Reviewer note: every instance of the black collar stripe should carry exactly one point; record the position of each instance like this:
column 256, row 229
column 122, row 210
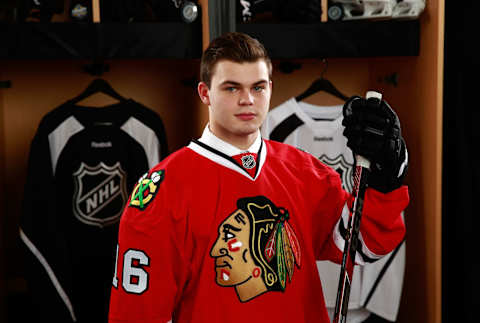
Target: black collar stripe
column 233, row 161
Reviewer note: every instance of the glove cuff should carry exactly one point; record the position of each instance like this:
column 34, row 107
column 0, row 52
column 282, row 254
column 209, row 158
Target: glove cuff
column 390, row 177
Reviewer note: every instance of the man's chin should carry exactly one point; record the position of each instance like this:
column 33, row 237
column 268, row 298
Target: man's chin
column 247, row 130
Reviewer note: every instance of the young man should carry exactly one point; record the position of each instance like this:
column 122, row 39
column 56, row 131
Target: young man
column 228, row 228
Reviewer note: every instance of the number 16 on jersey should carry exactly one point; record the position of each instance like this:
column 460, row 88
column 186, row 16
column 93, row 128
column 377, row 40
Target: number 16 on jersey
column 134, row 276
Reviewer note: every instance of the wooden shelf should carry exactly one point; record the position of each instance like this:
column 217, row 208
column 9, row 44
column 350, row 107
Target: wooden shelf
column 109, row 40
column 338, row 39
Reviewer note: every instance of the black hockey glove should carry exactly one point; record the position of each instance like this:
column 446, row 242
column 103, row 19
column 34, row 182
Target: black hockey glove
column 373, row 131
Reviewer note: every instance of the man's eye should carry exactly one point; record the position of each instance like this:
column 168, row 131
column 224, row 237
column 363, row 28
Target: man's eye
column 231, row 89
column 258, row 88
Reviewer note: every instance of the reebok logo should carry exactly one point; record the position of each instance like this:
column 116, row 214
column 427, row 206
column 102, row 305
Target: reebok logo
column 106, row 144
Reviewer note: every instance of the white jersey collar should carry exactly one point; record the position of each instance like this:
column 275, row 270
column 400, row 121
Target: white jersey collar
column 208, row 138
column 221, row 152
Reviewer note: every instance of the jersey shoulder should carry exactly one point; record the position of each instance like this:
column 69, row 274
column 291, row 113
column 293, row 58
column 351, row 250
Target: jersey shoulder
column 297, row 159
column 146, row 115
column 282, row 111
column 54, row 118
column 180, row 164
column 159, row 192
column 281, row 121
column 318, row 178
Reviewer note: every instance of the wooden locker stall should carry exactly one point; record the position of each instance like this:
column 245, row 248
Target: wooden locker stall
column 2, row 206
column 418, row 99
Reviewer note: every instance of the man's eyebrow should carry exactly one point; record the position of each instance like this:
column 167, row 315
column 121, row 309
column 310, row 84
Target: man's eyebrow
column 229, row 82
column 260, row 82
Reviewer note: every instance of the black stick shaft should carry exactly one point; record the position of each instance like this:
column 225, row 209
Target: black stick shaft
column 350, row 248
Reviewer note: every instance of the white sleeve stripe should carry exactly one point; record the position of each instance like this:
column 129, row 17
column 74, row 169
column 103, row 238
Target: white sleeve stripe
column 367, row 252
column 340, row 241
column 50, row 273
column 337, row 237
column 146, row 137
column 58, row 138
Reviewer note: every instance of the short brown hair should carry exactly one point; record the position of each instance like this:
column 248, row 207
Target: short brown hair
column 233, row 46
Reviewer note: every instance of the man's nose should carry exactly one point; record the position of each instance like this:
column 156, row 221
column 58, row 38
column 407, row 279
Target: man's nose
column 246, row 98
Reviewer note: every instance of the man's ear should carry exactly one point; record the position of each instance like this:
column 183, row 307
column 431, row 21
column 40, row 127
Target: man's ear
column 203, row 93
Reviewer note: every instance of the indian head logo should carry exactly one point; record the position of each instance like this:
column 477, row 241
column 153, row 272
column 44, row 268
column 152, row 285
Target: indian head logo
column 100, row 194
column 256, row 250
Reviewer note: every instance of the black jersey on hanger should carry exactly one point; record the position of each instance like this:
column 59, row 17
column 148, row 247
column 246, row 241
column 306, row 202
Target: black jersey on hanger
column 83, row 163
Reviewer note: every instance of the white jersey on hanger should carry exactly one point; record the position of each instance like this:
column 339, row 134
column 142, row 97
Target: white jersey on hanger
column 377, row 286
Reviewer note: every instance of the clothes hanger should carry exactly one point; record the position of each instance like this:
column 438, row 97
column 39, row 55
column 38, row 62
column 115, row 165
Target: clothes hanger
column 98, row 85
column 322, row 84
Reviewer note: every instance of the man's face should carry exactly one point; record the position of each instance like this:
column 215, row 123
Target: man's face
column 233, row 262
column 238, row 98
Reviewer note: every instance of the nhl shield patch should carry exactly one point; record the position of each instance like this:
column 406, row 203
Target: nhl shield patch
column 248, row 161
column 146, row 189
column 344, row 168
column 100, row 194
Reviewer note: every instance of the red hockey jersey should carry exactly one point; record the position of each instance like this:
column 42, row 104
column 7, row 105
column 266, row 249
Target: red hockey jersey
column 212, row 237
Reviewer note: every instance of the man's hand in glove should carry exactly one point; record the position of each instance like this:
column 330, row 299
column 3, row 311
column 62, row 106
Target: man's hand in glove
column 373, row 131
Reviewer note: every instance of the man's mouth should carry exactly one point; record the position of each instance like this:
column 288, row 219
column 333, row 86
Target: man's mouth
column 245, row 116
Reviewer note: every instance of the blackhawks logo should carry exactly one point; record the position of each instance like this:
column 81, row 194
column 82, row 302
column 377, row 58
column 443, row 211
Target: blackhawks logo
column 100, row 194
column 146, row 189
column 257, row 250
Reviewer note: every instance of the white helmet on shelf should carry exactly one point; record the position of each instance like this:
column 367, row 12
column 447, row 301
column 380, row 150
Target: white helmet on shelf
column 408, row 9
column 374, row 9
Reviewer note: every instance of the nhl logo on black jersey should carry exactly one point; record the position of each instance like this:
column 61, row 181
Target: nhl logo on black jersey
column 100, row 194
column 248, row 161
column 146, row 189
column 343, row 168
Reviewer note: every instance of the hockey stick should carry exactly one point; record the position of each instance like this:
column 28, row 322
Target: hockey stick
column 362, row 171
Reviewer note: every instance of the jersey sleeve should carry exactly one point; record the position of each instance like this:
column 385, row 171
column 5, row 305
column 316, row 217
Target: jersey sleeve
column 161, row 136
column 147, row 128
column 151, row 268
column 43, row 240
column 382, row 227
column 160, row 141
